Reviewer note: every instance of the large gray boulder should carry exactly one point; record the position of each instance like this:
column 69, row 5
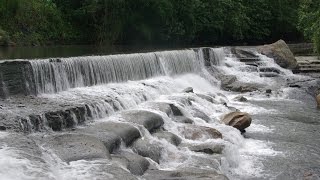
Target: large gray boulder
column 281, row 53
column 148, row 119
column 239, row 120
column 72, row 147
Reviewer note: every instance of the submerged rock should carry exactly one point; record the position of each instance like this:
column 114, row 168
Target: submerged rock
column 281, row 53
column 148, row 119
column 194, row 132
column 239, row 120
column 73, row 147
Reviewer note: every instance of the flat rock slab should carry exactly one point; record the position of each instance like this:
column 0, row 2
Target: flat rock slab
column 148, row 119
column 135, row 163
column 124, row 131
column 73, row 147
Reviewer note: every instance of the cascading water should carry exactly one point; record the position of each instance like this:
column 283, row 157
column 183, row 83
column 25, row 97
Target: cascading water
column 112, row 85
column 55, row 75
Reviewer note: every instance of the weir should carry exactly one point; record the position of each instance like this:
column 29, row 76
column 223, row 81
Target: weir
column 39, row 76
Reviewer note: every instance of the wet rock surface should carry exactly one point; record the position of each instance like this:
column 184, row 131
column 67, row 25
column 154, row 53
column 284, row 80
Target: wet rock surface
column 168, row 136
column 148, row 119
column 194, row 132
column 239, row 120
column 135, row 163
column 73, row 147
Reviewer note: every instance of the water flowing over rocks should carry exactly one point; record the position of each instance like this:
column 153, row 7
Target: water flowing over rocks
column 148, row 116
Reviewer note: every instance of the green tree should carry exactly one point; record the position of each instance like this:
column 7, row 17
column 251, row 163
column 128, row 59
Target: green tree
column 309, row 21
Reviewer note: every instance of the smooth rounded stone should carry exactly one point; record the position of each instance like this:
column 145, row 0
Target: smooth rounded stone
column 148, row 119
column 199, row 114
column 184, row 174
column 73, row 147
column 135, row 163
column 208, row 148
column 239, row 120
column 147, row 149
column 241, row 99
column 269, row 69
column 318, row 100
column 188, row 90
column 160, row 106
column 125, row 131
column 168, row 136
column 194, row 132
column 241, row 87
column 281, row 53
column 182, row 119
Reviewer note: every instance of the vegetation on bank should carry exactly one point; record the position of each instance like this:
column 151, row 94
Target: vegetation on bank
column 35, row 22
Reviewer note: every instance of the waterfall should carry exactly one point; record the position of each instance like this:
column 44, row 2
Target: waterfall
column 55, row 75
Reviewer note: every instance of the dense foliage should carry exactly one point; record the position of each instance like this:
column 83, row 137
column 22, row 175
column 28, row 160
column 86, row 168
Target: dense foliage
column 150, row 21
column 310, row 21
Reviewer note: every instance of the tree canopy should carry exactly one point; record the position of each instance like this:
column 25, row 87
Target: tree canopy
column 172, row 22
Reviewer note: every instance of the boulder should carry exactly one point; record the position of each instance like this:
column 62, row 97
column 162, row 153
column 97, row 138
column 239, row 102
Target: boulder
column 73, row 147
column 146, row 148
column 194, row 132
column 318, row 100
column 239, row 120
column 148, row 119
column 135, row 163
column 168, row 136
column 176, row 111
column 281, row 53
